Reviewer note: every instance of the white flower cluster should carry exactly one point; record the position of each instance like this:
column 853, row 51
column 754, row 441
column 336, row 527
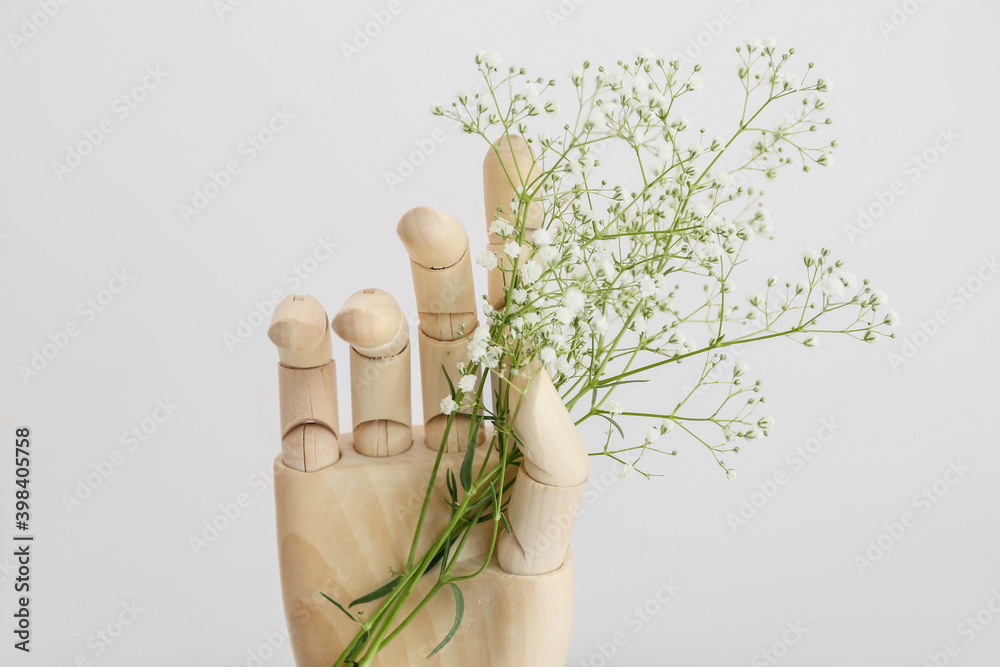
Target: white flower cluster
column 596, row 294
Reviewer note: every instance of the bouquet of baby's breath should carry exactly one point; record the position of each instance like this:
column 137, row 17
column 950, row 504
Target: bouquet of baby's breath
column 631, row 270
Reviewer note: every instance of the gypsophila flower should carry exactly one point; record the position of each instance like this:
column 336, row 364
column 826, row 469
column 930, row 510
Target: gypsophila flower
column 647, row 286
column 632, row 264
column 491, row 59
column 448, row 405
column 541, row 237
column 501, row 228
column 832, row 285
column 487, row 260
column 530, row 272
column 467, row 383
column 531, row 92
column 574, row 300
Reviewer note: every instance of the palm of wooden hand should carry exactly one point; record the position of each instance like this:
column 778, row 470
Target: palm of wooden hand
column 348, row 503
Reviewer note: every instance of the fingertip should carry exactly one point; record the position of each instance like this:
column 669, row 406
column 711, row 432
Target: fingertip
column 300, row 330
column 508, row 161
column 372, row 322
column 433, row 238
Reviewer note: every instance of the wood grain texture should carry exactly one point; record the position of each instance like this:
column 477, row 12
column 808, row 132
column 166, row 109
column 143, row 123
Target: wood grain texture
column 341, row 529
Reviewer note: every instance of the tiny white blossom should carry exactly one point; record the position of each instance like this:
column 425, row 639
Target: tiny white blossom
column 518, row 295
column 695, row 82
column 832, row 286
column 548, row 355
column 810, row 256
column 741, row 368
column 542, row 237
column 530, row 272
column 647, row 286
column 448, row 405
column 625, row 471
column 730, row 473
column 467, row 383
column 492, row 59
column 848, row 278
column 574, row 300
column 501, row 228
column 601, row 324
column 770, row 42
column 487, row 260
column 892, row 319
column 811, row 341
column 615, row 408
column 879, row 298
column 645, row 53
column 512, row 248
column 531, row 92
column 753, row 42
column 652, row 435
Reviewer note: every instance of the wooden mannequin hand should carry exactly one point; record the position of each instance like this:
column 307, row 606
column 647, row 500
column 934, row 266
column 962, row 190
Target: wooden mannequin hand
column 348, row 503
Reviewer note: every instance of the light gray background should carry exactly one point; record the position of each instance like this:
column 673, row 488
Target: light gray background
column 162, row 337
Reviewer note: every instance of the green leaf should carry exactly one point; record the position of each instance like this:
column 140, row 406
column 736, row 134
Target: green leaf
column 356, row 645
column 465, row 473
column 377, row 594
column 452, row 486
column 337, row 604
column 459, row 612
